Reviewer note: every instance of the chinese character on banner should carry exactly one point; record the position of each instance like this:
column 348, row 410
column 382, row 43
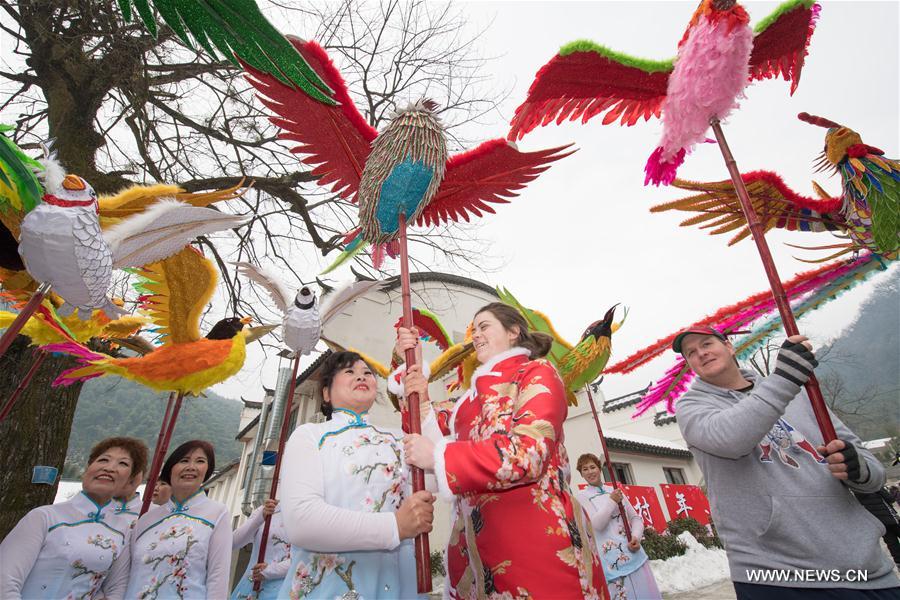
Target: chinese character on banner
column 646, row 503
column 686, row 501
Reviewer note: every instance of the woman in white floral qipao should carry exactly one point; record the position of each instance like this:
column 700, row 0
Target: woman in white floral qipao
column 182, row 549
column 68, row 550
column 345, row 497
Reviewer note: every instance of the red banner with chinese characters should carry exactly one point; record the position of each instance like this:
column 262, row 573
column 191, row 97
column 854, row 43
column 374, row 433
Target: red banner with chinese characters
column 646, row 503
column 685, row 501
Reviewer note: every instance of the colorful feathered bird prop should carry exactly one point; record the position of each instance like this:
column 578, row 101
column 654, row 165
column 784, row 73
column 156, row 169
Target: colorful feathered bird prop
column 236, row 28
column 717, row 57
column 303, row 319
column 178, row 292
column 867, row 211
column 404, row 171
column 807, row 292
column 578, row 364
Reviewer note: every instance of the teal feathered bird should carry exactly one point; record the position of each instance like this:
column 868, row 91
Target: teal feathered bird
column 404, row 170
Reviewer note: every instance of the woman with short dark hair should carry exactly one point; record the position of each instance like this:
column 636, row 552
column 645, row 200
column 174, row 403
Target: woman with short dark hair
column 69, row 549
column 182, row 548
column 346, row 500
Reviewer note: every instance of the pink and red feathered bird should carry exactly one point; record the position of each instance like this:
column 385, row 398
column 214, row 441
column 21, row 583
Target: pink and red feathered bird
column 404, row 170
column 718, row 56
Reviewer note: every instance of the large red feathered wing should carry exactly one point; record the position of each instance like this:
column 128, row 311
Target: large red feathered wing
column 336, row 140
column 776, row 204
column 487, row 174
column 584, row 83
column 781, row 41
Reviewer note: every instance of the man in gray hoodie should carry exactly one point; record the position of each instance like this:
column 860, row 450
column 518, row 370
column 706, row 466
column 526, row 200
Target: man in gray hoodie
column 780, row 500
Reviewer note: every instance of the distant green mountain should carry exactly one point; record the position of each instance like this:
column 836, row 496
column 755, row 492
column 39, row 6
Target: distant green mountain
column 113, row 406
column 861, row 369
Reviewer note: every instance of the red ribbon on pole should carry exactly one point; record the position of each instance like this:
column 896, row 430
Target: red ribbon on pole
column 820, row 410
column 423, row 550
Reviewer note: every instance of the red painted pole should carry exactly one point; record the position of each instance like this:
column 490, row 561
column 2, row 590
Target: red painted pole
column 609, row 465
column 39, row 358
column 820, row 410
column 423, row 550
column 282, row 440
column 162, row 445
column 16, row 326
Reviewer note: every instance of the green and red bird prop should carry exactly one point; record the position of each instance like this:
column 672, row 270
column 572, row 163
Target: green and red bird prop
column 404, row 170
column 867, row 211
column 717, row 57
column 238, row 30
column 582, row 363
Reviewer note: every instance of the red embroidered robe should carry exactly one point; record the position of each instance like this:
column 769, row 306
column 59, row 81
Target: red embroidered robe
column 517, row 531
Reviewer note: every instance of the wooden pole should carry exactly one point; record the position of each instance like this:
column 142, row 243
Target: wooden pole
column 282, row 440
column 16, row 326
column 423, row 551
column 39, row 357
column 612, row 474
column 173, row 406
column 820, row 410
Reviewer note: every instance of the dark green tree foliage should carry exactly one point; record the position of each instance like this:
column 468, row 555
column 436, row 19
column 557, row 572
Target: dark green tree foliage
column 113, row 406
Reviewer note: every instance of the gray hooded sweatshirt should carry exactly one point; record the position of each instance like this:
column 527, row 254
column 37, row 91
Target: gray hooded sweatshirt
column 774, row 502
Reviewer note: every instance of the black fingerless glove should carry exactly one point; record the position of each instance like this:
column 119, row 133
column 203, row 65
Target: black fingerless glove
column 795, row 362
column 857, row 469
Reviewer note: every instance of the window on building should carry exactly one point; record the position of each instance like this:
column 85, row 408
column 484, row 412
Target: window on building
column 674, row 475
column 622, row 471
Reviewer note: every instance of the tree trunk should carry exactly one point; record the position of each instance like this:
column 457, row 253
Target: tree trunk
column 36, row 432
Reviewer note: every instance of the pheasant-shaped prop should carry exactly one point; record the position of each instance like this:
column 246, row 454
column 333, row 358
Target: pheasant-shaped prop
column 64, row 246
column 867, row 211
column 236, row 28
column 578, row 365
column 403, row 173
column 756, row 318
column 718, row 56
column 178, row 290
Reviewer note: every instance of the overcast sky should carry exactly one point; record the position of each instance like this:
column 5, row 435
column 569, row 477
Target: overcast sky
column 580, row 238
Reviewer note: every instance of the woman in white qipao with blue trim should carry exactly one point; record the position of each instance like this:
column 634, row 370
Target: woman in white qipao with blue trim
column 70, row 549
column 271, row 573
column 346, row 497
column 182, row 549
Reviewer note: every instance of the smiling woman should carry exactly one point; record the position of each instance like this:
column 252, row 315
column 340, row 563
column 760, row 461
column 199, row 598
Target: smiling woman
column 77, row 546
column 183, row 547
column 346, row 497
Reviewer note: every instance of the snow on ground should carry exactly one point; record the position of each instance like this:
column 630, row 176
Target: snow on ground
column 696, row 568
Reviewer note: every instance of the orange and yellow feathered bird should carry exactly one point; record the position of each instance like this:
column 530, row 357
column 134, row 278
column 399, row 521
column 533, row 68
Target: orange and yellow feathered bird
column 47, row 327
column 179, row 289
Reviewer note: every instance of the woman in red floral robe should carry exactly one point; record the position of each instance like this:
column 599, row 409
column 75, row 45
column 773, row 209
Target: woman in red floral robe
column 517, row 531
